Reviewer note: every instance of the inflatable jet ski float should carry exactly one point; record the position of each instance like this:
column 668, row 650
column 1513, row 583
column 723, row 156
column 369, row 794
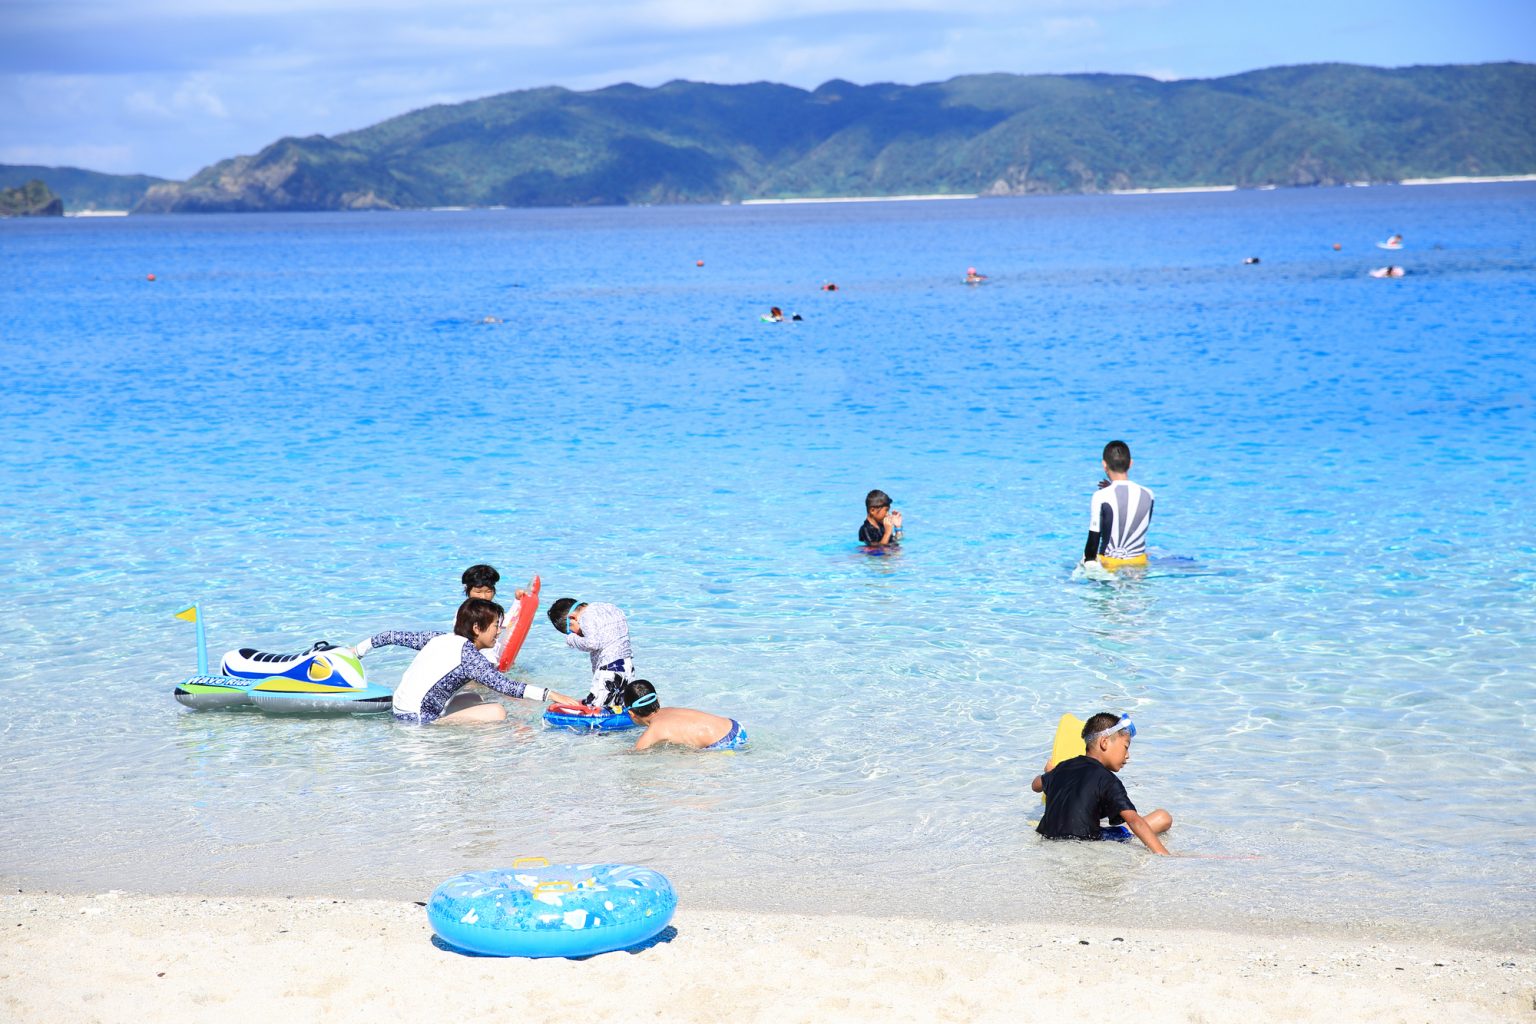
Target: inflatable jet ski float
column 325, row 679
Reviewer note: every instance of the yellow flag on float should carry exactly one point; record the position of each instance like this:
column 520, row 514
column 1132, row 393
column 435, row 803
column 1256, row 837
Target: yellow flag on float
column 190, row 615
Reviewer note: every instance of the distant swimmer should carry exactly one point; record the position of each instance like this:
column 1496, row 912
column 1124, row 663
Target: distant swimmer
column 829, row 287
column 491, row 320
column 1388, row 272
column 1395, row 242
column 1250, row 261
column 775, row 315
column 972, row 277
column 882, row 524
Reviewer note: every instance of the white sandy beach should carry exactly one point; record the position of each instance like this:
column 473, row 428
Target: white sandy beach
column 126, row 958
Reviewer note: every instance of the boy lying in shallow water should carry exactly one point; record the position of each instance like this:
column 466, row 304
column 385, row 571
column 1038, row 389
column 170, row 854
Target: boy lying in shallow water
column 683, row 726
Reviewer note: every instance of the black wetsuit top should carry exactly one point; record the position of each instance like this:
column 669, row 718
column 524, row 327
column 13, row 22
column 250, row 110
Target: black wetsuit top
column 1079, row 793
column 870, row 533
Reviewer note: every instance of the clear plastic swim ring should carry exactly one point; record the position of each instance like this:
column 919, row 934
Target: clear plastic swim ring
column 538, row 909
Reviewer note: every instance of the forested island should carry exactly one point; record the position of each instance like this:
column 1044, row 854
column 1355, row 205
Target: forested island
column 30, row 199
column 996, row 134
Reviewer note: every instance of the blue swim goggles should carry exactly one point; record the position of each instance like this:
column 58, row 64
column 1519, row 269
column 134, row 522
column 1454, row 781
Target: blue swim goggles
column 1124, row 723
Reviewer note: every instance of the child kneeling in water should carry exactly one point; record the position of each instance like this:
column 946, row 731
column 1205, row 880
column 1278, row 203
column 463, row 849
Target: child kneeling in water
column 683, row 726
column 1082, row 791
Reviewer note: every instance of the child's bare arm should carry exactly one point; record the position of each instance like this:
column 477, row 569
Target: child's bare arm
column 648, row 739
column 1039, row 784
column 1143, row 831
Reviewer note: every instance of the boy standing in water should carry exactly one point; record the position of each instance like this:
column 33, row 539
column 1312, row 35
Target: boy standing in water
column 683, row 726
column 1119, row 514
column 882, row 525
column 1082, row 791
column 603, row 632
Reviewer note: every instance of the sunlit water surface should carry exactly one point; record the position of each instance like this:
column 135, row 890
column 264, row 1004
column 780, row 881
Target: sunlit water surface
column 305, row 425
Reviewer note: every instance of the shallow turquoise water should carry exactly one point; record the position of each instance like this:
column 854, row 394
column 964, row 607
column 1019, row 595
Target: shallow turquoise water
column 304, row 425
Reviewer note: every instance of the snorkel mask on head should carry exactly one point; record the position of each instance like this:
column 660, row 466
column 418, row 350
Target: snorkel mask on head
column 643, row 702
column 1125, row 723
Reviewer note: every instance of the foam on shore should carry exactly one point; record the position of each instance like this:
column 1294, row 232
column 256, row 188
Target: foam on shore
column 1468, row 180
column 852, row 199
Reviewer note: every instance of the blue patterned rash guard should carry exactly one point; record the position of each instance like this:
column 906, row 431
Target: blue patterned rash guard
column 447, row 661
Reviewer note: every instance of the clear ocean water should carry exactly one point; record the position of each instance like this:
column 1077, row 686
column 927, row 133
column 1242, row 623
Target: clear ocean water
column 305, row 425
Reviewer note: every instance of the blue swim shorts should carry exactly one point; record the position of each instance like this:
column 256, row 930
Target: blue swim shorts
column 733, row 740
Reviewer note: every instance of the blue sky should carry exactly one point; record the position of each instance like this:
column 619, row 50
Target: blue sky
column 168, row 86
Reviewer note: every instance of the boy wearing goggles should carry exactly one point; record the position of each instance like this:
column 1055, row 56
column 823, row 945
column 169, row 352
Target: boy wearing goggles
column 602, row 631
column 1082, row 791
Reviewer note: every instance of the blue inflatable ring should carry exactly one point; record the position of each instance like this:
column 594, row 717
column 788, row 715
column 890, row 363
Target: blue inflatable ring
column 584, row 719
column 537, row 909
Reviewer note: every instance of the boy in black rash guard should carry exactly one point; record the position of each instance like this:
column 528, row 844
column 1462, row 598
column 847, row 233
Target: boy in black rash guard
column 881, row 526
column 1082, row 791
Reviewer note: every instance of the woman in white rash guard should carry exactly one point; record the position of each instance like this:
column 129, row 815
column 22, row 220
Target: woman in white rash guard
column 447, row 661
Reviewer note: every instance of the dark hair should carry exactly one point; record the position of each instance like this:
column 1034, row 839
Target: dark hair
column 560, row 611
column 634, row 690
column 877, row 499
column 1117, row 456
column 1098, row 723
column 479, row 576
column 474, row 615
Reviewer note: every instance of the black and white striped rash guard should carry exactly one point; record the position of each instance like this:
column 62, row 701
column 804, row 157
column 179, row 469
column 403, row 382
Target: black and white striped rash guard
column 447, row 661
column 1118, row 518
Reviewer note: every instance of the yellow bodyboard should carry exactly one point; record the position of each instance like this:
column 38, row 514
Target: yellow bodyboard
column 1068, row 742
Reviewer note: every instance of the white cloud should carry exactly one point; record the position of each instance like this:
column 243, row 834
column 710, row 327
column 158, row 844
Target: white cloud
column 190, row 96
column 1070, row 28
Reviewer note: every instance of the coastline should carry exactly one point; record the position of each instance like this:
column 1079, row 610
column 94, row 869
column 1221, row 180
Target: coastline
column 822, row 200
column 1172, row 190
column 121, row 957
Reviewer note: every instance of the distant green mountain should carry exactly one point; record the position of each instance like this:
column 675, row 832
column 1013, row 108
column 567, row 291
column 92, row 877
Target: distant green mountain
column 994, row 134
column 82, row 190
